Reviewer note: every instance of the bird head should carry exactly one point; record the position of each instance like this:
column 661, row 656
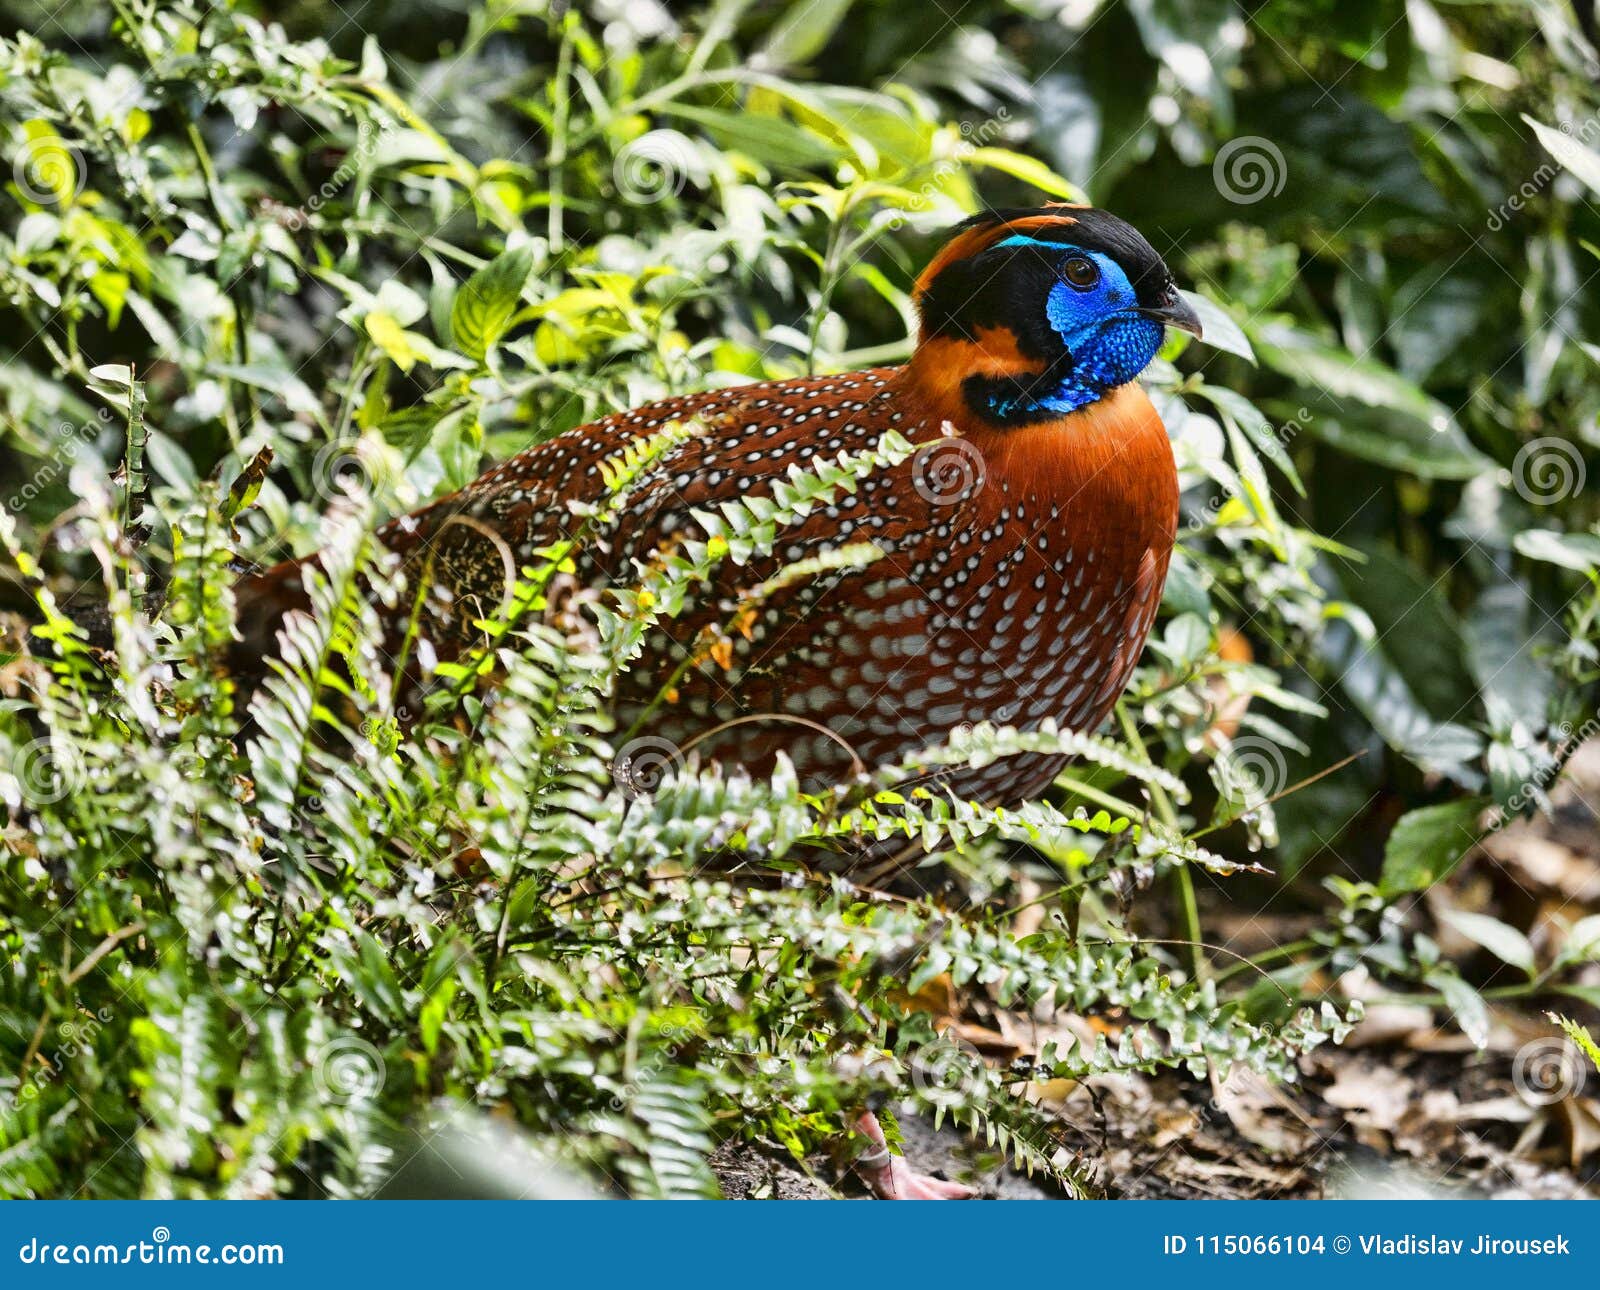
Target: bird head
column 1041, row 312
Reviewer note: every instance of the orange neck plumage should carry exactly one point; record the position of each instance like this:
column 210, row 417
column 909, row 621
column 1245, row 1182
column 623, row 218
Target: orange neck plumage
column 1110, row 461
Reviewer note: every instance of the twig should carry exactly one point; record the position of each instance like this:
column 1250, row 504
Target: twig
column 137, row 485
column 101, row 950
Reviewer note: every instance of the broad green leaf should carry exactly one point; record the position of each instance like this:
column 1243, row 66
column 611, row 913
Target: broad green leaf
column 1185, row 592
column 1579, row 551
column 1027, row 169
column 1368, row 409
column 393, row 339
column 276, row 380
column 1377, row 687
column 170, row 461
column 1320, row 365
column 1503, row 635
column 1418, row 630
column 802, row 32
column 1390, row 439
column 1581, row 161
column 47, row 168
column 407, row 348
column 1590, row 994
column 1221, row 331
column 488, row 301
column 767, row 138
column 1426, row 844
column 1502, row 940
column 1583, row 941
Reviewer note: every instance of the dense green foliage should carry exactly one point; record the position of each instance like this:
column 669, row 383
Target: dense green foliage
column 259, row 965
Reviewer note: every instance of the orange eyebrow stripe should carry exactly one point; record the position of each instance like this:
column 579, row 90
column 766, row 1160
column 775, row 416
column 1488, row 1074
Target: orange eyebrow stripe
column 974, row 240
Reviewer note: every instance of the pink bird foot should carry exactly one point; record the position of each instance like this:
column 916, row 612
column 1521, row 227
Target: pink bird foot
column 891, row 1178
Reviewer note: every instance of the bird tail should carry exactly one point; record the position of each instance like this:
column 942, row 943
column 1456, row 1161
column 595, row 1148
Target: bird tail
column 263, row 600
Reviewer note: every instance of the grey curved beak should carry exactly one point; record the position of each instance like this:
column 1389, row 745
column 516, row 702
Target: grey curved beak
column 1175, row 311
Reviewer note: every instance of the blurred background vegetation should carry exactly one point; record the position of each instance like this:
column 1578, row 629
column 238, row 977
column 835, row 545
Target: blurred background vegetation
column 237, row 228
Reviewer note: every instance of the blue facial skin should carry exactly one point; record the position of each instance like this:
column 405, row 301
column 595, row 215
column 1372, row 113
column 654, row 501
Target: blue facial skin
column 1107, row 342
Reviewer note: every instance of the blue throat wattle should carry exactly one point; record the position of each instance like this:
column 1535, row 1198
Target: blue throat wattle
column 1097, row 358
column 1105, row 343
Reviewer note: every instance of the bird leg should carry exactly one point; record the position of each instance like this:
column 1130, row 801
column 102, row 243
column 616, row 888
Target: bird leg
column 891, row 1178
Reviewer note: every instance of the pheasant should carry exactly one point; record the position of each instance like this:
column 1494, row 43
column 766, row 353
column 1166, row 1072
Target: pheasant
column 1023, row 547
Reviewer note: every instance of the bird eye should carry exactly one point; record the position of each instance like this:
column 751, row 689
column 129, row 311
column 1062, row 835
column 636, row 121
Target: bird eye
column 1080, row 272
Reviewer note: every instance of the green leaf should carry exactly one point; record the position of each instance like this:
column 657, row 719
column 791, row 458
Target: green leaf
column 407, row 348
column 1582, row 943
column 1221, row 331
column 802, row 32
column 1580, row 1036
column 1417, row 629
column 1027, row 169
column 1502, row 940
column 48, row 163
column 1426, row 844
column 1581, row 161
column 488, row 301
column 1368, row 409
column 1590, row 994
column 1471, row 1012
column 1503, row 634
column 770, row 139
column 244, row 490
column 277, row 380
column 1185, row 592
column 1378, row 688
column 1578, row 551
column 1269, row 440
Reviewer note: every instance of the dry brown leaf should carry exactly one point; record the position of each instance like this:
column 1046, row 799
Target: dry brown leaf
column 1371, row 1095
column 991, row 1043
column 1580, row 1118
column 1266, row 1114
column 1505, row 1110
column 1175, row 1124
column 1546, row 863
